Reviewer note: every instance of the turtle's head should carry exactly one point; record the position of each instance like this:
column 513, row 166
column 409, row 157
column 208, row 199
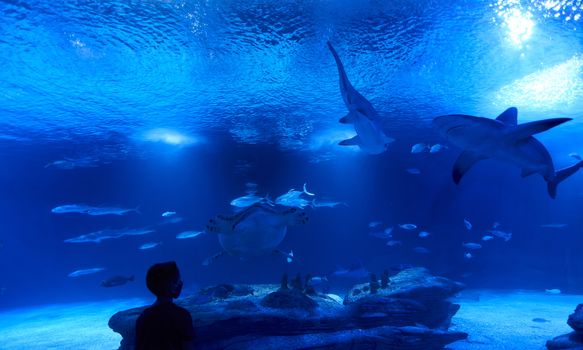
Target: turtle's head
column 296, row 216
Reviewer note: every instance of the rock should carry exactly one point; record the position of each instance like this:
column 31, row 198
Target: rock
column 576, row 319
column 289, row 299
column 573, row 340
column 269, row 317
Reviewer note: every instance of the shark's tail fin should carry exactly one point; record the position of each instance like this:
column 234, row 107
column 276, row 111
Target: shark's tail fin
column 560, row 176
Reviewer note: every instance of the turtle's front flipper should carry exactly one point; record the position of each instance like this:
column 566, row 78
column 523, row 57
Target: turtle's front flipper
column 211, row 259
column 294, row 216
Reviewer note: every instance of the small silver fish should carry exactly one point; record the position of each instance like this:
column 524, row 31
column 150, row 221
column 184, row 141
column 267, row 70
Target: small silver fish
column 487, row 238
column 436, row 148
column 501, row 234
column 468, row 224
column 413, row 171
column 83, row 272
column 188, row 234
column 419, row 148
column 91, row 210
column 424, row 234
column 473, row 246
column 408, row 226
column 116, row 281
column 380, row 234
column 394, row 243
column 468, row 255
column 167, row 214
column 149, row 245
column 553, row 291
column 290, row 257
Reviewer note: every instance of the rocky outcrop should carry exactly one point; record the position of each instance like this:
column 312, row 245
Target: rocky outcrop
column 573, row 340
column 408, row 312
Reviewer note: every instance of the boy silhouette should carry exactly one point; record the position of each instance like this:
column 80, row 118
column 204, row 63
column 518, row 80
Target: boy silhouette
column 164, row 325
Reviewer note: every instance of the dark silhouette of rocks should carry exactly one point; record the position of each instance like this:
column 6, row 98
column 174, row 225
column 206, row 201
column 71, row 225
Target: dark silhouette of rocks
column 410, row 313
column 573, row 340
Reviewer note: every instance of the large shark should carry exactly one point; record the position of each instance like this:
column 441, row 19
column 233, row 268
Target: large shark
column 505, row 140
column 370, row 136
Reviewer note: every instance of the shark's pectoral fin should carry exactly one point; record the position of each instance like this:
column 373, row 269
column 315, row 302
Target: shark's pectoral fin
column 525, row 130
column 463, row 163
column 355, row 141
column 509, row 116
column 527, row 172
column 350, row 118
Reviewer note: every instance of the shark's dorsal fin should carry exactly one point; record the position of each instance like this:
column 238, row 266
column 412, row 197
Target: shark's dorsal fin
column 463, row 163
column 509, row 116
column 525, row 130
column 354, row 141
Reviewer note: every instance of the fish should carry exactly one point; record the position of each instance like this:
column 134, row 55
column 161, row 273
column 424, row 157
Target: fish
column 316, row 280
column 101, row 235
column 116, row 281
column 554, row 225
column 370, row 136
column 501, row 234
column 83, row 272
column 306, row 190
column 149, row 245
column 408, row 226
column 188, row 234
column 374, row 224
column 421, row 250
column 71, row 163
column 353, row 272
column 419, row 148
column 468, row 255
column 336, row 298
column 553, row 291
column 91, row 210
column 487, row 238
column 293, row 198
column 394, row 243
column 495, row 225
column 247, row 200
column 436, row 148
column 168, row 214
column 326, row 203
column 540, row 320
column 424, row 234
column 468, row 224
column 473, row 246
column 505, row 140
column 290, row 257
column 413, row 171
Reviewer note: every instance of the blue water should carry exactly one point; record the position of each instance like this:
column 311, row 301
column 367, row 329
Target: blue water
column 176, row 105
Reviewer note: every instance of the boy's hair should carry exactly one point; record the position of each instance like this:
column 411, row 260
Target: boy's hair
column 161, row 276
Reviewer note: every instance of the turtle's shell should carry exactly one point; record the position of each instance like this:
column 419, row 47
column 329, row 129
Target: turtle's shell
column 257, row 230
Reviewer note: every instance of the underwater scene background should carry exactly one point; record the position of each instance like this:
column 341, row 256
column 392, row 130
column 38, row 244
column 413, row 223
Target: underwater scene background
column 178, row 106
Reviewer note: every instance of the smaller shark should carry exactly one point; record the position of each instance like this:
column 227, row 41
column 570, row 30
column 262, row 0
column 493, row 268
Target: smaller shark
column 505, row 140
column 370, row 136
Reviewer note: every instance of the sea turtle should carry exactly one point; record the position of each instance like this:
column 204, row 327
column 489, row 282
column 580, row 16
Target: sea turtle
column 256, row 230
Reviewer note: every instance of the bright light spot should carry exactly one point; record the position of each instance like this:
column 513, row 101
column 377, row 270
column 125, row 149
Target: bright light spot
column 519, row 25
column 557, row 86
column 169, row 137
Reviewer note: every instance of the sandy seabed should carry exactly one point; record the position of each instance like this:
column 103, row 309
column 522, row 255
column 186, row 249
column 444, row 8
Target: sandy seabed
column 494, row 319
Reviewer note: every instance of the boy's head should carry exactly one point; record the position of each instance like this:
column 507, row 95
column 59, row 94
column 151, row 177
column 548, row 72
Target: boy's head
column 163, row 280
